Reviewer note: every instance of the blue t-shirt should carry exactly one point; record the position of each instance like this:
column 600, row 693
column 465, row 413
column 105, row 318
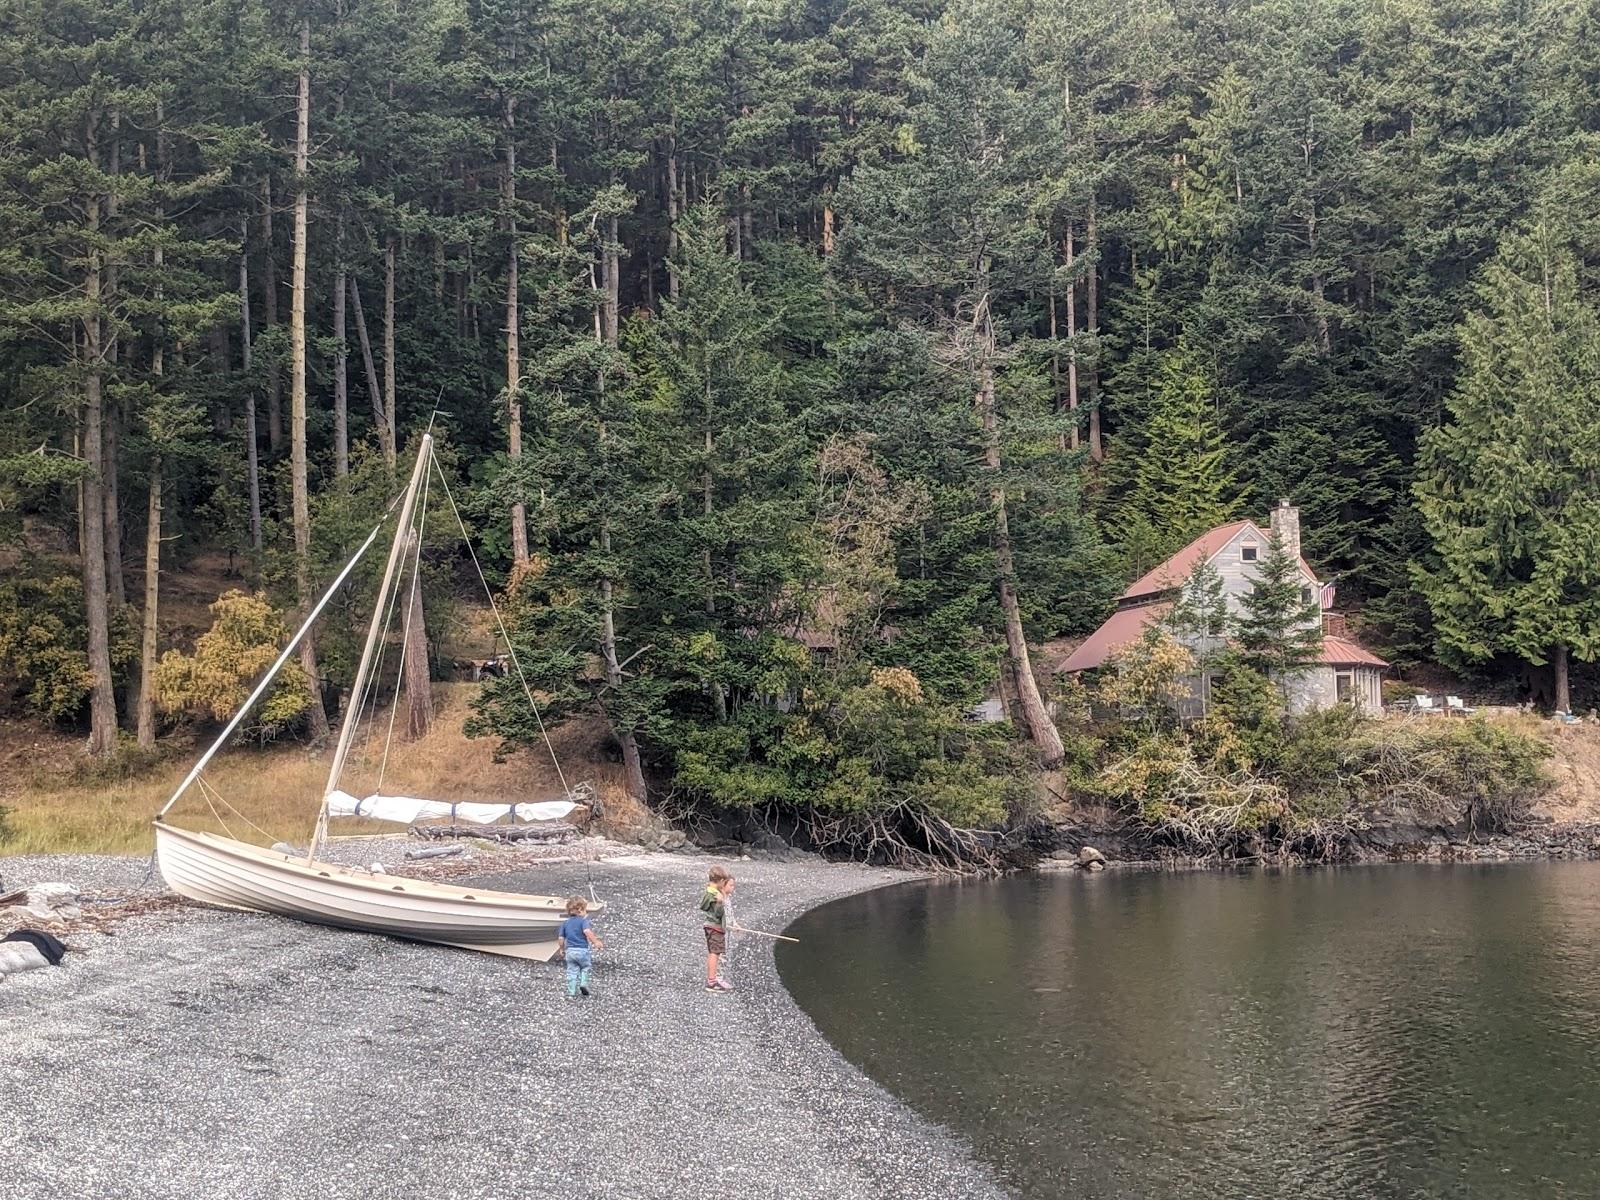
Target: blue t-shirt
column 576, row 932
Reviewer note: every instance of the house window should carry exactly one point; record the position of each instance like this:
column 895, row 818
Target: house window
column 1247, row 554
column 1344, row 690
column 1305, row 594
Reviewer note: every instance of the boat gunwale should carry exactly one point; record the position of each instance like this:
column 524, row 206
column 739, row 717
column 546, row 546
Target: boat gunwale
column 483, row 899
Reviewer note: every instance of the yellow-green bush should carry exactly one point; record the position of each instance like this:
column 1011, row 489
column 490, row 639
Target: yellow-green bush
column 229, row 658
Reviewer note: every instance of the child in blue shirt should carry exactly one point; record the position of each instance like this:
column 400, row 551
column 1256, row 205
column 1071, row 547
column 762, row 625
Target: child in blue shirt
column 578, row 940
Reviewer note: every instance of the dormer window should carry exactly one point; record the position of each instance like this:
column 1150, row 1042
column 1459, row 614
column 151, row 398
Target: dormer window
column 1247, row 554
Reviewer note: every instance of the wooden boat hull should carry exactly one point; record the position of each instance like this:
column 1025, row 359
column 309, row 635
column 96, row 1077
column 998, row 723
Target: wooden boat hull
column 232, row 874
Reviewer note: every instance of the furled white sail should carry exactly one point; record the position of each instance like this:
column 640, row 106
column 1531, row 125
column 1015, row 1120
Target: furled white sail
column 408, row 809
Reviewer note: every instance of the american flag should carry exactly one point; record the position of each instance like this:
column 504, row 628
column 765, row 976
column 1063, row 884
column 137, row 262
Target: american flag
column 1327, row 596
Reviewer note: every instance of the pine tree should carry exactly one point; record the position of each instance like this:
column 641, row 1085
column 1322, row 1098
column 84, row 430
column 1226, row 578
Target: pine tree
column 1510, row 488
column 1279, row 628
column 1181, row 481
column 1199, row 619
column 951, row 228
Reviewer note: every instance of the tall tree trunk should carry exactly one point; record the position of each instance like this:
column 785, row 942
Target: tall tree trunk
column 102, row 700
column 1558, row 659
column 391, row 441
column 374, row 390
column 612, row 278
column 508, row 195
column 827, row 219
column 672, row 207
column 1092, row 285
column 419, row 689
column 143, row 692
column 145, row 716
column 632, row 764
column 251, row 434
column 1041, row 730
column 269, row 280
column 341, row 360
column 116, row 585
column 297, row 382
column 1072, row 345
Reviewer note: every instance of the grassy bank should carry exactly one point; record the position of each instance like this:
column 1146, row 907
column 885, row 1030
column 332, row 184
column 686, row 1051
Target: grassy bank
column 271, row 793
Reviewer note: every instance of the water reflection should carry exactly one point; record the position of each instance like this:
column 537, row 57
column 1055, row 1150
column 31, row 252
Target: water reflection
column 1370, row 1032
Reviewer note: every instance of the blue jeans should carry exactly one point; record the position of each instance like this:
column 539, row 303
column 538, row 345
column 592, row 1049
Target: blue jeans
column 580, row 959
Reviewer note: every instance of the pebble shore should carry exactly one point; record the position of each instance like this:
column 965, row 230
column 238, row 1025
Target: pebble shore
column 191, row 1053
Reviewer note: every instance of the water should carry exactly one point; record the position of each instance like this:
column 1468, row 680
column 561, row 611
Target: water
column 1341, row 1034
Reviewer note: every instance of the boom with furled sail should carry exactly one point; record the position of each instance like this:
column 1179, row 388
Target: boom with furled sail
column 225, row 871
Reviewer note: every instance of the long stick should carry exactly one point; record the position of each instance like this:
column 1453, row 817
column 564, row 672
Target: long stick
column 777, row 937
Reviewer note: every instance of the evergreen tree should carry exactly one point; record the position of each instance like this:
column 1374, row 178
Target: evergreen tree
column 950, row 229
column 1510, row 487
column 1279, row 628
column 1199, row 619
column 1181, row 482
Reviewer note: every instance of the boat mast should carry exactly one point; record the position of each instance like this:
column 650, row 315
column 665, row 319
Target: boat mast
column 347, row 724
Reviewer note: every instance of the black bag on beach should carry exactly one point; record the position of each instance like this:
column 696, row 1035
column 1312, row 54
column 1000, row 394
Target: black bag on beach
column 44, row 943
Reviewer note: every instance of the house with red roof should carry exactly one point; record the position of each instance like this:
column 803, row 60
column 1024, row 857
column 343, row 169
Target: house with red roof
column 1346, row 672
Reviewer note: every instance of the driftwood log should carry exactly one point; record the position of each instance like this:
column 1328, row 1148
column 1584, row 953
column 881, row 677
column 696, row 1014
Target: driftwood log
column 545, row 831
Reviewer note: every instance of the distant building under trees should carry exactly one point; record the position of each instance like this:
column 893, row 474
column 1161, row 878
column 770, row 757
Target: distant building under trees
column 1342, row 671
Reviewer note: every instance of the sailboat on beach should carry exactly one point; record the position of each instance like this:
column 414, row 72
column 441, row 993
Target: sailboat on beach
column 222, row 870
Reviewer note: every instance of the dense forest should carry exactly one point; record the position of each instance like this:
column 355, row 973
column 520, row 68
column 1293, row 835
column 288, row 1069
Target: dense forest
column 798, row 365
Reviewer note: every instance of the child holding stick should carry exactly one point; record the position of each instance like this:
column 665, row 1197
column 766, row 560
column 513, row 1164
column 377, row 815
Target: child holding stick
column 714, row 920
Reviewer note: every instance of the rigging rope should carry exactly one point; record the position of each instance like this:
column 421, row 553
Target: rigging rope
column 205, row 794
column 511, row 651
column 207, row 786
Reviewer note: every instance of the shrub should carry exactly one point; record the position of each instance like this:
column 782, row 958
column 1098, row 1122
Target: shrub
column 43, row 643
column 1147, row 679
column 1485, row 772
column 1217, row 788
column 6, row 831
column 228, row 660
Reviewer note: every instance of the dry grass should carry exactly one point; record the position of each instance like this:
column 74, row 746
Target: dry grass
column 275, row 791
column 1574, row 771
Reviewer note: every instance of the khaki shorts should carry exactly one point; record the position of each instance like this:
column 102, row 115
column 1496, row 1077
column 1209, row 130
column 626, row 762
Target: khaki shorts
column 716, row 940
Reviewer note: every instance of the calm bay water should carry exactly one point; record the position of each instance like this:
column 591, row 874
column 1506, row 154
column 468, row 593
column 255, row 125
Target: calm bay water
column 1402, row 1031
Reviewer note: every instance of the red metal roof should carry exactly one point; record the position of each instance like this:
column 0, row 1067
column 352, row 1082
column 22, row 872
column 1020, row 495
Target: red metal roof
column 1123, row 626
column 1204, row 548
column 1342, row 652
column 1182, row 564
column 1128, row 625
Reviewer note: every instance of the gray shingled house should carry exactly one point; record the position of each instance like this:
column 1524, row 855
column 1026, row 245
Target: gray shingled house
column 1346, row 673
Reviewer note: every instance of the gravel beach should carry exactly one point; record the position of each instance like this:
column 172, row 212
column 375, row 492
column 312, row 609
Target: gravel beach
column 202, row 1054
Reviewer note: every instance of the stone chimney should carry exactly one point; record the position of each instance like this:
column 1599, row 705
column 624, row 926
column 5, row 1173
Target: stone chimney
column 1286, row 525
